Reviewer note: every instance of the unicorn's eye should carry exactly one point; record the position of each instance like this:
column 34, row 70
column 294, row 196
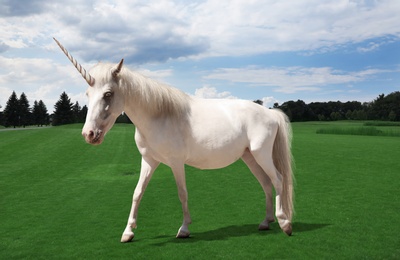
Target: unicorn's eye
column 108, row 94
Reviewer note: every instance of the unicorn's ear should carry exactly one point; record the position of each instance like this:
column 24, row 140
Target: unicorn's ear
column 117, row 69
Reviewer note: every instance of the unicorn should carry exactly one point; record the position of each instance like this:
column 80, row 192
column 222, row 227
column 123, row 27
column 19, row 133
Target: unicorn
column 175, row 129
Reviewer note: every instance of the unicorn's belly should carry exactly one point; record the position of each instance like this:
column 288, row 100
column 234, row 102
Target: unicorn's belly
column 204, row 158
column 212, row 163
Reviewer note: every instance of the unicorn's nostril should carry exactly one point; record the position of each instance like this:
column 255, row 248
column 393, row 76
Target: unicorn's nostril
column 91, row 134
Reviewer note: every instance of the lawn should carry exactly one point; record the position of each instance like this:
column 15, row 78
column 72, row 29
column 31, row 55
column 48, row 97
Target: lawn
column 61, row 198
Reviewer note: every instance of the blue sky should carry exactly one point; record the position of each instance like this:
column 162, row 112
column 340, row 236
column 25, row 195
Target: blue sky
column 271, row 50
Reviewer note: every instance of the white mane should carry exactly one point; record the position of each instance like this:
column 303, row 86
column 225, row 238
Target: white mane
column 156, row 98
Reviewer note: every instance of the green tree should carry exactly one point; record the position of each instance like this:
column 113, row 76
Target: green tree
column 11, row 111
column 259, row 101
column 82, row 114
column 123, row 118
column 382, row 106
column 392, row 116
column 24, row 110
column 1, row 117
column 297, row 110
column 361, row 115
column 76, row 109
column 349, row 115
column 63, row 113
column 40, row 116
column 354, row 115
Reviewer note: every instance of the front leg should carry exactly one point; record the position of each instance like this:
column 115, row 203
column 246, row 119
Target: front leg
column 179, row 174
column 147, row 169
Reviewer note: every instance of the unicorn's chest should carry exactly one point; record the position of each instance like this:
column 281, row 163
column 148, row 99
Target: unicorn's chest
column 161, row 145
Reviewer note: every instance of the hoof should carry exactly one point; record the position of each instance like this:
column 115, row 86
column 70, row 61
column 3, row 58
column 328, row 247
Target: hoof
column 183, row 233
column 288, row 229
column 127, row 238
column 263, row 226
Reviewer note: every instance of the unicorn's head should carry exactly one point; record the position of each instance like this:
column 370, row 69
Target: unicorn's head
column 106, row 102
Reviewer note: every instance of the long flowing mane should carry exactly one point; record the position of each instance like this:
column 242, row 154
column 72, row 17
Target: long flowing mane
column 158, row 99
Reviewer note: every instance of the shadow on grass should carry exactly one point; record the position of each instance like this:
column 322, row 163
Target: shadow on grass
column 240, row 231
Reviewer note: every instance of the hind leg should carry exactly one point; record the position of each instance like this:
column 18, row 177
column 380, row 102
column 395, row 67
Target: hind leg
column 264, row 160
column 266, row 185
column 179, row 174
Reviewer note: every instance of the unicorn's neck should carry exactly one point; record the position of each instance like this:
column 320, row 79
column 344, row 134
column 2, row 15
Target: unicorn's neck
column 152, row 98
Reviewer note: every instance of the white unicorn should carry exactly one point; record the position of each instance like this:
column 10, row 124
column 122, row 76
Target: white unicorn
column 175, row 129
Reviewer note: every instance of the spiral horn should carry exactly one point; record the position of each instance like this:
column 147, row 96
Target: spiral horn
column 89, row 79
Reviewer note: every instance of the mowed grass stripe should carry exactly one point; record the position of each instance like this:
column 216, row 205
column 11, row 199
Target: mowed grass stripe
column 62, row 198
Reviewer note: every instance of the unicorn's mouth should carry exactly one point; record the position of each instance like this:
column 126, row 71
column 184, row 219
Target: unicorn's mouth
column 98, row 139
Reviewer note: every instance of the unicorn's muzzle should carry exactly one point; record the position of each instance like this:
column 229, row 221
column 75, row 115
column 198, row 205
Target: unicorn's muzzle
column 93, row 137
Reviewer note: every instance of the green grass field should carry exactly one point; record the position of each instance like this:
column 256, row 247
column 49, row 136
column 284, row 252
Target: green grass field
column 63, row 199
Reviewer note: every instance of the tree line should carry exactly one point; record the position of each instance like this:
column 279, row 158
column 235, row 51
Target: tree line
column 18, row 113
column 384, row 108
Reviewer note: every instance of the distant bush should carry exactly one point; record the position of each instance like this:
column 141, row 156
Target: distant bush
column 369, row 131
column 381, row 123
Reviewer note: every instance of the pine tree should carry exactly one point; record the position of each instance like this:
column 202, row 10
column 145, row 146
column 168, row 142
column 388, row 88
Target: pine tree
column 1, row 117
column 76, row 108
column 24, row 110
column 63, row 113
column 82, row 114
column 35, row 113
column 44, row 117
column 11, row 111
column 39, row 114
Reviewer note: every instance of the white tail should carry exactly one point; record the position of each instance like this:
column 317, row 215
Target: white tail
column 282, row 157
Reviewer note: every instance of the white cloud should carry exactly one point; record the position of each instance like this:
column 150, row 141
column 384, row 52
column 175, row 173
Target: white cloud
column 376, row 44
column 269, row 101
column 39, row 79
column 371, row 47
column 143, row 31
column 251, row 27
column 44, row 79
column 211, row 92
column 156, row 74
column 5, row 93
column 139, row 31
column 156, row 31
column 291, row 79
